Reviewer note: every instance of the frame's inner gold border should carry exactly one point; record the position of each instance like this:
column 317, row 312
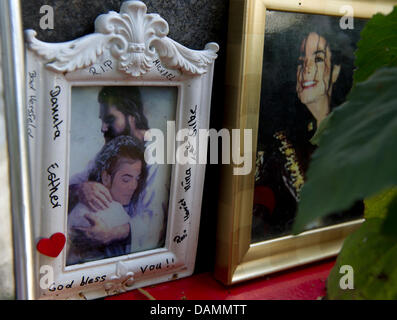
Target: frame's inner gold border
column 237, row 259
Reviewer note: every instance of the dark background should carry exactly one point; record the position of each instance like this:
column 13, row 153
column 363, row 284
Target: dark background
column 192, row 23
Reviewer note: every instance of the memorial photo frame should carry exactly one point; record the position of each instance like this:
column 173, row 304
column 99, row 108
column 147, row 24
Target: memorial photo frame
column 97, row 108
column 239, row 256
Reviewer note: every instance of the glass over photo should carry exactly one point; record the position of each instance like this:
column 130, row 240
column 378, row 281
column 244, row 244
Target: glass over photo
column 308, row 65
column 118, row 204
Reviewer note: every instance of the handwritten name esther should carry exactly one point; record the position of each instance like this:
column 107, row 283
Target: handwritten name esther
column 53, row 185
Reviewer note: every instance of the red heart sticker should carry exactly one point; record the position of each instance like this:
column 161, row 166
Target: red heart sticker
column 52, row 247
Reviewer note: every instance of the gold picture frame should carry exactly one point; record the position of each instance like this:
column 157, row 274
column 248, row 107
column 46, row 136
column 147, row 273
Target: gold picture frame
column 237, row 259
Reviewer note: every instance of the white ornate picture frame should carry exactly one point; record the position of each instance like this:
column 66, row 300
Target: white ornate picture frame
column 130, row 48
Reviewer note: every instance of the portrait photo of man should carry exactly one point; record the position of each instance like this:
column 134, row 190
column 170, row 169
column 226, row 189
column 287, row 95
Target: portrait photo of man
column 118, row 204
column 313, row 58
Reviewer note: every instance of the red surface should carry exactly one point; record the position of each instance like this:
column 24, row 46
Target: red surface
column 304, row 283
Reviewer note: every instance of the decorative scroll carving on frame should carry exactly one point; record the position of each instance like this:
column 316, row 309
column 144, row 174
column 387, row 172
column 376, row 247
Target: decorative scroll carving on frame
column 133, row 37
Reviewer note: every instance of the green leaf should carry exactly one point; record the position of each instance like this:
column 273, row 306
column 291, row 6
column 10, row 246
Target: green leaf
column 320, row 130
column 372, row 256
column 358, row 151
column 378, row 45
column 390, row 225
column 377, row 206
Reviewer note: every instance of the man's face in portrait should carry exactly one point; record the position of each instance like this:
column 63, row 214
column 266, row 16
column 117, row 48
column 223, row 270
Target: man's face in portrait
column 124, row 182
column 314, row 79
column 114, row 122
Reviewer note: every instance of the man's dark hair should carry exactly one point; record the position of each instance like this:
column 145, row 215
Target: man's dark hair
column 342, row 44
column 127, row 100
